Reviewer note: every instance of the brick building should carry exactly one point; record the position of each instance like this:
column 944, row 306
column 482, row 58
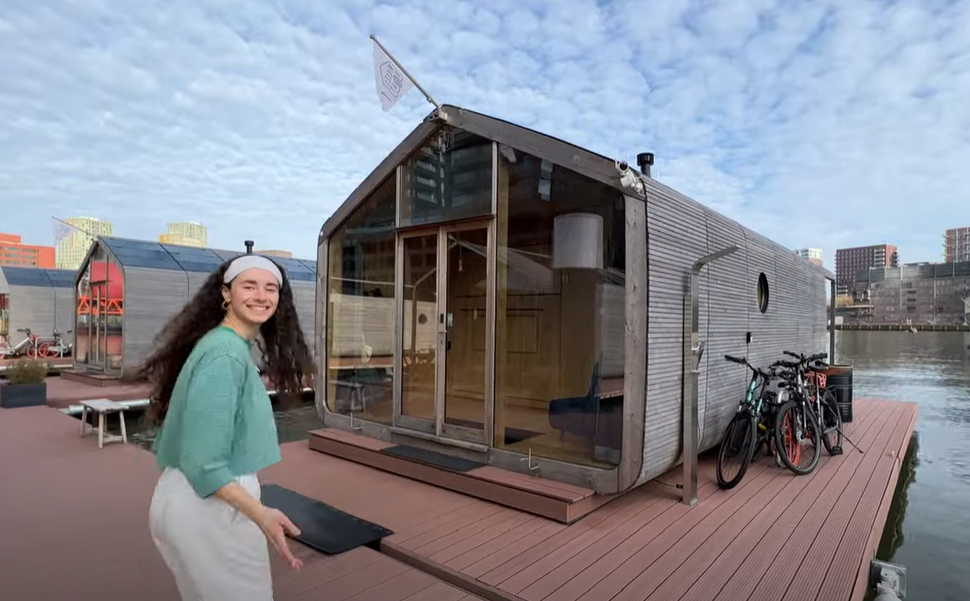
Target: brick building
column 850, row 261
column 956, row 245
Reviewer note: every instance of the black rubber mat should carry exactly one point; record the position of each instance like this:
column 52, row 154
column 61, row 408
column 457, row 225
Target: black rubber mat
column 432, row 458
column 322, row 527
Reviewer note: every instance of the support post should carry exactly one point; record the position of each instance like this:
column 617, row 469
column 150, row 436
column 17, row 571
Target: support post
column 834, row 289
column 692, row 353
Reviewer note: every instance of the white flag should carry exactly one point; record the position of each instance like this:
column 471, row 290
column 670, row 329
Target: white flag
column 61, row 230
column 392, row 83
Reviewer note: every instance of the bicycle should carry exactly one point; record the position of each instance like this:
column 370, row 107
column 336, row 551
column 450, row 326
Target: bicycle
column 796, row 422
column 55, row 347
column 29, row 346
column 747, row 433
column 822, row 401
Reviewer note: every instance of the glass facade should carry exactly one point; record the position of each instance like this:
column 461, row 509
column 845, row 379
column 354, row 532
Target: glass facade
column 560, row 302
column 99, row 315
column 531, row 294
column 360, row 310
column 447, row 179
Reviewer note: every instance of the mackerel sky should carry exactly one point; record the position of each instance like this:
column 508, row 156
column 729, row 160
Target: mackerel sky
column 827, row 123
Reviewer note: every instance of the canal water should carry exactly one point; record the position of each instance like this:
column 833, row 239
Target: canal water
column 928, row 529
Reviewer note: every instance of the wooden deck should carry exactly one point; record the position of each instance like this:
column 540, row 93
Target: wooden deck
column 554, row 500
column 75, row 525
column 775, row 536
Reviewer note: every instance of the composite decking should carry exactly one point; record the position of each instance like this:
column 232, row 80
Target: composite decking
column 75, row 526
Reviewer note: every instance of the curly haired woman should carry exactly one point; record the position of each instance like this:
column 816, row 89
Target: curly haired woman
column 217, row 431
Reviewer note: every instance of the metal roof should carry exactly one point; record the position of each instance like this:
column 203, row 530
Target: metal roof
column 34, row 276
column 172, row 257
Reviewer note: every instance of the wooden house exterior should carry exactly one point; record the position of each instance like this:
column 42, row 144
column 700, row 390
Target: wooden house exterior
column 499, row 294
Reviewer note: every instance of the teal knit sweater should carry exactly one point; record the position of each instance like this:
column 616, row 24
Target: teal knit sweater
column 219, row 423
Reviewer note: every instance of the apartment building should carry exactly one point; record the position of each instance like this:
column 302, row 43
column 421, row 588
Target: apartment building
column 850, row 261
column 185, row 233
column 956, row 245
column 918, row 293
column 814, row 255
column 73, row 247
column 15, row 253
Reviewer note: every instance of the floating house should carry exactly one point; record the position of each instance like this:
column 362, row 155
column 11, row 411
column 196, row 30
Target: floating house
column 127, row 290
column 40, row 300
column 495, row 294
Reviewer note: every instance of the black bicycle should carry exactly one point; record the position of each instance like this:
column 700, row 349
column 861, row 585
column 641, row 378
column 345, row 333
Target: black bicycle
column 821, row 400
column 797, row 428
column 751, row 428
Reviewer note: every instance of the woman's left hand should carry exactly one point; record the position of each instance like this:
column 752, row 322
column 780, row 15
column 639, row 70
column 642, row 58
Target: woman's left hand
column 275, row 525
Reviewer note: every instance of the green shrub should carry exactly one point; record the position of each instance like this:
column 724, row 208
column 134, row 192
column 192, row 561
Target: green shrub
column 27, row 371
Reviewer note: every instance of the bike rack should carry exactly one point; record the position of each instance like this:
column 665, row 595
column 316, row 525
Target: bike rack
column 693, row 351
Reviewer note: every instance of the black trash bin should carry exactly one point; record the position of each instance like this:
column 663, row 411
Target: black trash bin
column 838, row 379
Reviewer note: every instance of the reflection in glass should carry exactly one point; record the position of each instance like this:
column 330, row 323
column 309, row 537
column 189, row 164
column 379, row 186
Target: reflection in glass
column 360, row 311
column 560, row 302
column 99, row 314
column 419, row 326
column 465, row 344
column 447, row 179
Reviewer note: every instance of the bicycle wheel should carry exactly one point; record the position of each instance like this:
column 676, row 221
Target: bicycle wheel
column 831, row 423
column 737, row 444
column 797, row 434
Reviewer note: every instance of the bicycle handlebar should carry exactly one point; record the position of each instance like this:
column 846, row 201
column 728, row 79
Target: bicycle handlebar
column 806, row 358
column 736, row 360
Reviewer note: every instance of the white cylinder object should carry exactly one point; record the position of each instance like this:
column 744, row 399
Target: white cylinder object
column 577, row 241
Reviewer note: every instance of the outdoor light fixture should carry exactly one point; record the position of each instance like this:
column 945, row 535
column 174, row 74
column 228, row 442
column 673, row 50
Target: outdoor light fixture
column 577, row 241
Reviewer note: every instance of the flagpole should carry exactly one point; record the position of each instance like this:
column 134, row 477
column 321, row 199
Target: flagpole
column 406, row 74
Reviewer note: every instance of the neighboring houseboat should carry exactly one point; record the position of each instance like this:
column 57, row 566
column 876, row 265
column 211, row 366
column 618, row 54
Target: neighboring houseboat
column 497, row 294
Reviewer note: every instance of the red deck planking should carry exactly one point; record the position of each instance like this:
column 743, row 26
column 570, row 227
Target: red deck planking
column 75, row 524
column 774, row 536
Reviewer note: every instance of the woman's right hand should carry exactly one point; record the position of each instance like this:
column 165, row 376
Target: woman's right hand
column 275, row 525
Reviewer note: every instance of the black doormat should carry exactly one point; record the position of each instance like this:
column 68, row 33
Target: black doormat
column 514, row 435
column 433, row 458
column 322, row 527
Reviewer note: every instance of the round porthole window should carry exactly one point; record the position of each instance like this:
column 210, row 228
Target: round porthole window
column 762, row 293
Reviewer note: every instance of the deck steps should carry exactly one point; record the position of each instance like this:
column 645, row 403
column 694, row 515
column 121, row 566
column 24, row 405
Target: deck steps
column 557, row 501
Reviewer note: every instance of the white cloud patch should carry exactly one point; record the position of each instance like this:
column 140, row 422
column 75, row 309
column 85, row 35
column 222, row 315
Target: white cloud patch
column 819, row 123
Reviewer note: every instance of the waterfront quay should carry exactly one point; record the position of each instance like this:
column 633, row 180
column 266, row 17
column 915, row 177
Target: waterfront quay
column 75, row 524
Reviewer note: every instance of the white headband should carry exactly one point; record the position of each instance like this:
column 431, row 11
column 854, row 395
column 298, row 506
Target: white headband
column 244, row 262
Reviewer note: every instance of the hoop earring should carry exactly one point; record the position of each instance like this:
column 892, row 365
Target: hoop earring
column 225, row 305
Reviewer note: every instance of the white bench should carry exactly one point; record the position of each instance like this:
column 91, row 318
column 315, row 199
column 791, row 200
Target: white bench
column 103, row 407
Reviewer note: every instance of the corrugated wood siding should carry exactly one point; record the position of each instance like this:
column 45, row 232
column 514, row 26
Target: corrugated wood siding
column 152, row 298
column 731, row 296
column 677, row 235
column 304, row 296
column 31, row 307
column 195, row 281
column 680, row 231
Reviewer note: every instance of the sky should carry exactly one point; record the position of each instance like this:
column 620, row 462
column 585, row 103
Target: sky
column 827, row 123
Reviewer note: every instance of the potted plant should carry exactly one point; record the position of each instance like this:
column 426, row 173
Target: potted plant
column 25, row 385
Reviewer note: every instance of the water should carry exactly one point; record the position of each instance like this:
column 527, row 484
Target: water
column 928, row 526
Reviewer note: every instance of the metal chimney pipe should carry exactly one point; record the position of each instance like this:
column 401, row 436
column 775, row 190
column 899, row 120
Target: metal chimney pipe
column 644, row 160
column 249, row 246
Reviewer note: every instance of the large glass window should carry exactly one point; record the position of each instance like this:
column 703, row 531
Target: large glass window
column 447, row 179
column 99, row 327
column 560, row 301
column 360, row 311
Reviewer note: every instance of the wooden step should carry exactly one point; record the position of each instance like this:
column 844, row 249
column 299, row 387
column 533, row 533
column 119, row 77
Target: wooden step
column 554, row 500
column 91, row 379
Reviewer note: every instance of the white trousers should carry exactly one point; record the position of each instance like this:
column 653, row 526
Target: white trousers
column 214, row 551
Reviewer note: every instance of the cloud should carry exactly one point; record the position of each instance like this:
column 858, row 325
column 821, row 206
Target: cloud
column 819, row 123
